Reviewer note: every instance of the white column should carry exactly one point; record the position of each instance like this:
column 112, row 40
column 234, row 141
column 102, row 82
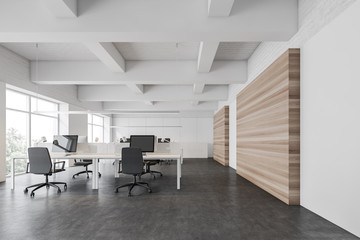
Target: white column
column 2, row 131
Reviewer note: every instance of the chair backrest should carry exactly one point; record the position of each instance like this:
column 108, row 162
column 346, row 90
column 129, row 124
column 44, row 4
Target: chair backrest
column 39, row 159
column 132, row 160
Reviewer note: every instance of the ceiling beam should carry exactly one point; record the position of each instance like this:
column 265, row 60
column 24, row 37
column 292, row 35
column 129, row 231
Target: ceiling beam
column 62, row 8
column 198, row 88
column 108, row 54
column 276, row 20
column 137, row 88
column 149, row 103
column 220, row 8
column 138, row 72
column 207, row 52
column 151, row 93
column 164, row 106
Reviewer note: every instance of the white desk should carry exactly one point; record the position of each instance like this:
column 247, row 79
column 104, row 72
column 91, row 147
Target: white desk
column 95, row 160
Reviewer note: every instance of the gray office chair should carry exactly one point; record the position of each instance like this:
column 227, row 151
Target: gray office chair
column 133, row 163
column 85, row 163
column 40, row 163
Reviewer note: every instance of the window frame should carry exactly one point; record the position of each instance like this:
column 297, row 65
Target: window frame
column 30, row 114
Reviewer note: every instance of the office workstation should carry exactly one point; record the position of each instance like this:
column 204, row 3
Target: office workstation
column 238, row 122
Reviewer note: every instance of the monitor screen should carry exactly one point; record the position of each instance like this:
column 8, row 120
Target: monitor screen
column 65, row 143
column 145, row 142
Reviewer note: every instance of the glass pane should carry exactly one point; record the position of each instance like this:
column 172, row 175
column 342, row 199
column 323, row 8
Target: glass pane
column 98, row 120
column 43, row 127
column 90, row 118
column 98, row 134
column 16, row 100
column 16, row 139
column 44, row 106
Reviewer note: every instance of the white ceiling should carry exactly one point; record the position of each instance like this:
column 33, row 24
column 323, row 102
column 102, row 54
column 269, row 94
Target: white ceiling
column 235, row 50
column 131, row 51
column 164, row 55
column 52, row 51
column 159, row 51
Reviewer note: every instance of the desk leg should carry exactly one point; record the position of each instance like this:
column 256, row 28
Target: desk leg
column 95, row 175
column 12, row 173
column 117, row 175
column 178, row 176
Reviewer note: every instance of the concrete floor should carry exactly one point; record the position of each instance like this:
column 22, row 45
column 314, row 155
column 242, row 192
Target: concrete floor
column 213, row 203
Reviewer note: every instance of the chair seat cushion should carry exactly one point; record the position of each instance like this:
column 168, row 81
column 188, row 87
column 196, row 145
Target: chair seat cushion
column 82, row 163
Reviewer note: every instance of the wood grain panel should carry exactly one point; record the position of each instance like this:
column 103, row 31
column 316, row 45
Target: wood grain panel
column 221, row 136
column 268, row 129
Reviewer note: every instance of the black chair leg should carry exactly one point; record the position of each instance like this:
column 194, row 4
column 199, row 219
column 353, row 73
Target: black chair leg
column 65, row 185
column 55, row 186
column 32, row 194
column 124, row 185
column 132, row 186
column 35, row 185
column 87, row 173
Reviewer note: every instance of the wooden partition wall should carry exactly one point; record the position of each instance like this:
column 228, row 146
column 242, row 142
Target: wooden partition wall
column 221, row 136
column 268, row 129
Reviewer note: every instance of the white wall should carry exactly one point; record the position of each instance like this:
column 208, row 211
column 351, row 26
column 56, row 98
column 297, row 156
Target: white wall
column 183, row 130
column 232, row 134
column 330, row 122
column 78, row 123
column 2, row 131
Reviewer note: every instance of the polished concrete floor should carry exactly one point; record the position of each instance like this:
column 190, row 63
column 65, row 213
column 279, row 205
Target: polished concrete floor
column 213, row 203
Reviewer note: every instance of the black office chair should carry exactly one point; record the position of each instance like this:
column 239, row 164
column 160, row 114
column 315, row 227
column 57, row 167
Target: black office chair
column 132, row 163
column 85, row 163
column 40, row 163
column 149, row 163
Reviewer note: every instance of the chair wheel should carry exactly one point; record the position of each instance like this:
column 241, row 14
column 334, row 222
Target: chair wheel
column 116, row 191
column 58, row 191
column 74, row 177
column 32, row 194
column 87, row 177
column 150, row 191
column 99, row 174
column 160, row 174
column 129, row 195
column 47, row 186
column 26, row 190
column 65, row 186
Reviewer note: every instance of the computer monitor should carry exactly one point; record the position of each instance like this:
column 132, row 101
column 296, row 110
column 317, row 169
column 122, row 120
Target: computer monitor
column 65, row 143
column 145, row 142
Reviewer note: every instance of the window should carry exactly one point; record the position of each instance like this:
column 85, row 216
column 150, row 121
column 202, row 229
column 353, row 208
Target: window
column 95, row 128
column 26, row 125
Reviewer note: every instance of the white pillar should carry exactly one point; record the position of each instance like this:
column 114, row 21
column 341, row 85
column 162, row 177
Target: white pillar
column 2, row 131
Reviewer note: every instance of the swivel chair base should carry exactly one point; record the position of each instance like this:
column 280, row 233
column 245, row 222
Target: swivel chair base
column 133, row 184
column 147, row 170
column 87, row 173
column 46, row 184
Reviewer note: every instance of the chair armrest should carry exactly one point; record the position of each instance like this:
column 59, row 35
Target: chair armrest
column 27, row 167
column 62, row 166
